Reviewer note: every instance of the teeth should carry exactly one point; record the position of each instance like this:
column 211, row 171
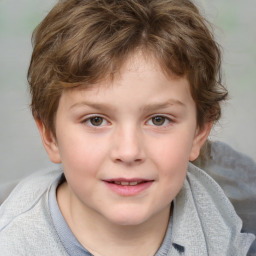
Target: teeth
column 127, row 183
column 133, row 183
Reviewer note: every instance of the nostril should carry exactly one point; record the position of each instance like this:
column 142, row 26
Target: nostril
column 129, row 161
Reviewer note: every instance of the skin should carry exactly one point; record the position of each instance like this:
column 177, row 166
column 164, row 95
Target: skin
column 111, row 132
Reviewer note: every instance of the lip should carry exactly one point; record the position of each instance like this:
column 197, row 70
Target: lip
column 128, row 190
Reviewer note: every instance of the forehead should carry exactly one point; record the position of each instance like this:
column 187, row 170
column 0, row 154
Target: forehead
column 142, row 61
column 140, row 81
column 141, row 64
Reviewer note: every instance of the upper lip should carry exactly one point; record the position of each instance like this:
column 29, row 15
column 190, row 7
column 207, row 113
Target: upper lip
column 127, row 180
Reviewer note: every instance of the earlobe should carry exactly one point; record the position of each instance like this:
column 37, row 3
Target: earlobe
column 199, row 139
column 49, row 142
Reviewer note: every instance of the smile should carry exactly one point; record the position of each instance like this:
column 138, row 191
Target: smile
column 127, row 183
column 125, row 187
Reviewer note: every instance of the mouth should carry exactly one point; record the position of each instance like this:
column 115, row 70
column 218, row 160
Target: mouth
column 127, row 183
column 128, row 187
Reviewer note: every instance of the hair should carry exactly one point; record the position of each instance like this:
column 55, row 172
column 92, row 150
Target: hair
column 83, row 41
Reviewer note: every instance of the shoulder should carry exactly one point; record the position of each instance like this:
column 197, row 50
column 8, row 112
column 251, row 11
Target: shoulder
column 204, row 220
column 223, row 163
column 25, row 223
column 207, row 194
column 235, row 172
column 26, row 194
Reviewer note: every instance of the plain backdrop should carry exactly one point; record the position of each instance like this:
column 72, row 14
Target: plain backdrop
column 21, row 151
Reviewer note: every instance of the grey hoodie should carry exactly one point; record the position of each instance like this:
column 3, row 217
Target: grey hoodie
column 204, row 221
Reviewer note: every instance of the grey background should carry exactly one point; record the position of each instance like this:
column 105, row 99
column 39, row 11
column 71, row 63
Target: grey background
column 21, row 151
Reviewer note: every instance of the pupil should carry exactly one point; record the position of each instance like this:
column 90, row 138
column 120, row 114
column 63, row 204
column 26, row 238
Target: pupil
column 158, row 120
column 96, row 121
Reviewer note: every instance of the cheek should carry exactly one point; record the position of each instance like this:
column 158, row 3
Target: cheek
column 171, row 157
column 171, row 150
column 82, row 161
column 81, row 155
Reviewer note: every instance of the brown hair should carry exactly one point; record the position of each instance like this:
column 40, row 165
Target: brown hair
column 82, row 41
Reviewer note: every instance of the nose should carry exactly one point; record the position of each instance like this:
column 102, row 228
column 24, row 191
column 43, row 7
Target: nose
column 128, row 146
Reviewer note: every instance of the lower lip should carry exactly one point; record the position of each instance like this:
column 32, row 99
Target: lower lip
column 129, row 190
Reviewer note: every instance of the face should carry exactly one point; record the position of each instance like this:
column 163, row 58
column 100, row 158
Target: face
column 125, row 145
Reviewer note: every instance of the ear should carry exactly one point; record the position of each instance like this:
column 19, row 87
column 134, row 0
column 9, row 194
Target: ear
column 49, row 142
column 201, row 136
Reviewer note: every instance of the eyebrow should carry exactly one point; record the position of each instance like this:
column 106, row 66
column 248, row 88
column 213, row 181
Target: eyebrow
column 97, row 106
column 163, row 105
column 147, row 108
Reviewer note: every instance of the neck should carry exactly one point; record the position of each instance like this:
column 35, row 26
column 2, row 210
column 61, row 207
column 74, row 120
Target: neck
column 104, row 238
column 143, row 239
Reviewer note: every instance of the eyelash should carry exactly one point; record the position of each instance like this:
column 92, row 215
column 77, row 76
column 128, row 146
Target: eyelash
column 88, row 121
column 167, row 120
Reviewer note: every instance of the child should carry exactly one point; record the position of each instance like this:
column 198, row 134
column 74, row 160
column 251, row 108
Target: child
column 124, row 94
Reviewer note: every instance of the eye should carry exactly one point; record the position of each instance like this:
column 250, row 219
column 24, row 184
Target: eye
column 95, row 121
column 159, row 121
